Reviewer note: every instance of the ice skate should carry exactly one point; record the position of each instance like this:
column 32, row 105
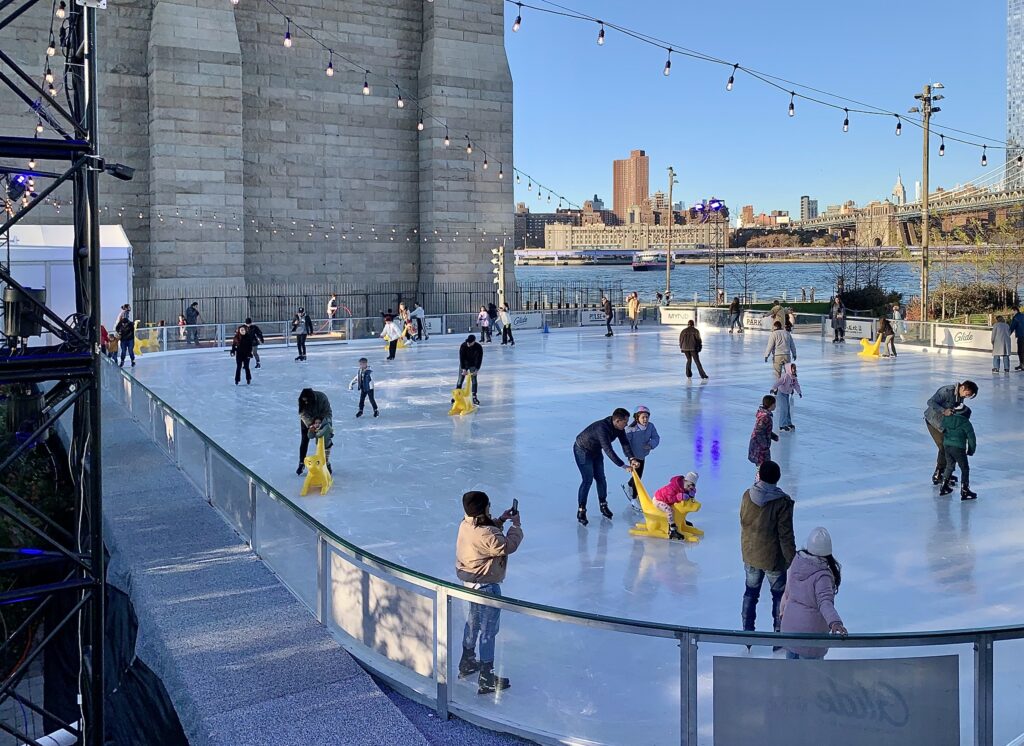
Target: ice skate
column 300, row 469
column 966, row 494
column 605, row 510
column 581, row 516
column 946, row 488
column 376, row 413
column 468, row 665
column 489, row 682
column 258, row 365
column 937, row 476
column 634, row 503
column 673, row 533
column 359, row 413
column 476, row 401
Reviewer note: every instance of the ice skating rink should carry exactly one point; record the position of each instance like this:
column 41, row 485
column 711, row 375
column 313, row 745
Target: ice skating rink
column 859, row 463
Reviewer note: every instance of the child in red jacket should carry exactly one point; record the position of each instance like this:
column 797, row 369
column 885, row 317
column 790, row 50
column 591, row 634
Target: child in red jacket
column 677, row 490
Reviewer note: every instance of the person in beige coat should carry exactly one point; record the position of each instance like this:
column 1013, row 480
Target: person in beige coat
column 481, row 560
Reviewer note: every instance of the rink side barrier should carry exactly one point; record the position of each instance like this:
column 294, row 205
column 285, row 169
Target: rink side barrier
column 405, row 626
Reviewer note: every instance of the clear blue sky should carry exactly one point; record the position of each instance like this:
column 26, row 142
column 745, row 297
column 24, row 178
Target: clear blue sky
column 578, row 105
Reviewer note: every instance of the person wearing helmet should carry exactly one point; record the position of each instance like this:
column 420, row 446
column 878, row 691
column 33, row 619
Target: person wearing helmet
column 643, row 438
column 808, row 604
column 677, row 490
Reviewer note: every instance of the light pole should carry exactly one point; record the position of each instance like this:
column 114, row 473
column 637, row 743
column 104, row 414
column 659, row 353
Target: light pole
column 708, row 210
column 926, row 110
column 498, row 260
column 671, row 223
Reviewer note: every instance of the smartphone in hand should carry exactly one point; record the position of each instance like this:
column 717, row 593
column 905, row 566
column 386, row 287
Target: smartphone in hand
column 515, row 506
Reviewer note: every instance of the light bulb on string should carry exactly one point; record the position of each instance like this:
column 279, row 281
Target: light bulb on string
column 792, row 104
column 1020, row 160
column 48, row 75
column 600, row 34
column 984, row 155
column 942, row 145
column 517, row 24
column 419, row 124
column 329, row 72
column 399, row 103
column 732, row 77
column 39, row 126
column 51, row 48
column 366, row 83
column 288, row 34
column 447, row 140
column 52, row 91
column 32, row 163
column 485, row 164
column 518, row 180
column 668, row 64
column 846, row 120
column 899, row 126
column 529, row 186
column 469, row 146
column 501, row 172
column 62, row 10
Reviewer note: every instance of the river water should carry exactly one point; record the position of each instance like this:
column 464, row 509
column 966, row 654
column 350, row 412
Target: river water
column 767, row 280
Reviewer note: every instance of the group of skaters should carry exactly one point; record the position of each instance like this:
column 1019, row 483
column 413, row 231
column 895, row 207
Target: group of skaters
column 492, row 320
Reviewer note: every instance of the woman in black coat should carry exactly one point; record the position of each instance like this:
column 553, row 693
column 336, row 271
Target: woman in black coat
column 241, row 349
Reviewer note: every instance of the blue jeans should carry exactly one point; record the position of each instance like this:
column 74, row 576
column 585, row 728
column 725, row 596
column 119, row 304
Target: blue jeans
column 128, row 348
column 483, row 622
column 754, row 578
column 785, row 413
column 734, row 321
column 997, row 358
column 591, row 469
column 790, row 655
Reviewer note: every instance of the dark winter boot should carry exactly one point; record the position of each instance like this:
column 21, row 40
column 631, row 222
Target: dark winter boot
column 468, row 665
column 673, row 533
column 300, row 468
column 581, row 516
column 605, row 510
column 946, row 488
column 937, row 476
column 489, row 681
column 966, row 494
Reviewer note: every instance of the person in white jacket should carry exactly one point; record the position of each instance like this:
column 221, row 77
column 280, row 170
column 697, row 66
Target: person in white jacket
column 781, row 347
column 419, row 316
column 506, row 327
column 391, row 334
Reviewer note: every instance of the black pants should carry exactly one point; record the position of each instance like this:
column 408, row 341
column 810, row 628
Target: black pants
column 462, row 379
column 639, row 475
column 1020, row 351
column 940, row 459
column 506, row 335
column 363, row 395
column 240, row 363
column 957, row 457
column 694, row 357
column 419, row 329
column 392, row 348
column 608, row 324
column 485, row 334
column 256, row 353
column 304, row 443
column 300, row 342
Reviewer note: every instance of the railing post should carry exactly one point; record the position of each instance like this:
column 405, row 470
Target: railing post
column 984, row 711
column 323, row 582
column 442, row 659
column 688, row 689
column 348, row 329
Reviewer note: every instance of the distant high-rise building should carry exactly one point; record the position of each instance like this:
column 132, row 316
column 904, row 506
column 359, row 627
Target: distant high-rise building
column 598, row 203
column 808, row 208
column 747, row 216
column 917, row 191
column 630, row 179
column 1014, row 91
column 899, row 193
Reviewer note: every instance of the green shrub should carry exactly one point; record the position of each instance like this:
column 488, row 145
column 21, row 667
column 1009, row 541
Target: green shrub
column 975, row 297
column 872, row 299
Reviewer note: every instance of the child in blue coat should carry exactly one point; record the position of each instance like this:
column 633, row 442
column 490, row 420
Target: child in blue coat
column 643, row 438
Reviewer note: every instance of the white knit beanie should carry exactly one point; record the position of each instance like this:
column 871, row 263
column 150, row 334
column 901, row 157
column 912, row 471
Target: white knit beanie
column 819, row 543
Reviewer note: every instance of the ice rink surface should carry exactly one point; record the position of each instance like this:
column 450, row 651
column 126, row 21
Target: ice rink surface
column 859, row 463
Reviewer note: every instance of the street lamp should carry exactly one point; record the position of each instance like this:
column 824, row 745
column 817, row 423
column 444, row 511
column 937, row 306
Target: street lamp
column 671, row 223
column 926, row 97
column 498, row 260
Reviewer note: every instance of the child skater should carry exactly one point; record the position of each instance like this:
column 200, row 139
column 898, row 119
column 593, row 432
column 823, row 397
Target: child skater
column 761, row 438
column 678, row 489
column 643, row 438
column 959, row 442
column 483, row 320
column 785, row 388
column 363, row 380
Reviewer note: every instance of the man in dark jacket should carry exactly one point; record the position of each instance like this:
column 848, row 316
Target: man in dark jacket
column 471, row 357
column 735, row 311
column 942, row 404
column 192, row 318
column 690, row 345
column 609, row 315
column 257, row 339
column 766, row 540
column 302, row 326
column 126, row 332
column 589, row 449
column 1017, row 329
column 315, row 421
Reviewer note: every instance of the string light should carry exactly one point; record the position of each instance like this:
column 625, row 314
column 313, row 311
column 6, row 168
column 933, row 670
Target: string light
column 529, row 186
column 447, row 140
column 732, row 77
column 52, row 91
column 62, row 10
column 517, row 24
column 234, row 2
column 792, row 105
column 51, row 48
column 48, row 75
column 600, row 34
column 39, row 126
column 942, row 145
column 846, row 120
column 288, row 34
column 366, row 82
column 485, row 164
column 517, row 178
column 32, row 163
column 419, row 124
column 400, row 103
column 899, row 126
column 469, row 146
column 668, row 64
column 329, row 72
column 984, row 155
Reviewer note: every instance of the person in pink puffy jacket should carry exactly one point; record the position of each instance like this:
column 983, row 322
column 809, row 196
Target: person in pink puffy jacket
column 677, row 490
column 808, row 604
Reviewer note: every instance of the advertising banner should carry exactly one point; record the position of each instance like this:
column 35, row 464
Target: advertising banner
column 592, row 318
column 527, row 320
column 434, row 325
column 892, row 701
column 757, row 320
column 962, row 337
column 856, row 328
column 677, row 316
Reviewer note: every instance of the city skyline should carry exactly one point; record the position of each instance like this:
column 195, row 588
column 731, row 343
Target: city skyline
column 740, row 145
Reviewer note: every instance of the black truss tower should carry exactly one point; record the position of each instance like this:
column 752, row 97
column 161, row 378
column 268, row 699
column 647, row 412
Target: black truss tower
column 68, row 371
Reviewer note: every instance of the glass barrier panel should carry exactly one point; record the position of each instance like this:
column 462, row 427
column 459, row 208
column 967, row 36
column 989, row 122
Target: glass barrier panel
column 913, row 332
column 573, row 681
column 1008, row 691
column 365, row 328
column 274, row 332
column 229, row 493
column 200, row 335
column 177, row 338
column 140, row 403
column 192, row 456
column 391, row 622
column 163, row 429
column 899, row 696
column 288, row 545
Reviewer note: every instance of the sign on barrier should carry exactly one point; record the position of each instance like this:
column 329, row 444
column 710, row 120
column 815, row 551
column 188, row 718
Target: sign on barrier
column 757, row 320
column 677, row 316
column 856, row 328
column 529, row 320
column 434, row 325
column 895, row 701
column 962, row 338
column 592, row 318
